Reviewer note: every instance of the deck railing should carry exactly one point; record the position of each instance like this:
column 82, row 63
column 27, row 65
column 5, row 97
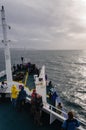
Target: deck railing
column 62, row 116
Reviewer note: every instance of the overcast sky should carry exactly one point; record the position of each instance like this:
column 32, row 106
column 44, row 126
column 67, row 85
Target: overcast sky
column 46, row 24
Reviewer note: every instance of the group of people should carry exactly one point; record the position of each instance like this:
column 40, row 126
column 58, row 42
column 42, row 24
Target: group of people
column 70, row 123
column 18, row 97
column 36, row 107
column 18, row 100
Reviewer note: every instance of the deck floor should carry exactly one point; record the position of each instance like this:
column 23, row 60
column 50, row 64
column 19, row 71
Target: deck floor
column 10, row 119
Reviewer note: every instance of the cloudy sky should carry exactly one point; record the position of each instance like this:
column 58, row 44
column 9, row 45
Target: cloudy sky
column 46, row 24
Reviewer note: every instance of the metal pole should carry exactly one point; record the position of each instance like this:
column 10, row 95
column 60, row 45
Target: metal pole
column 6, row 47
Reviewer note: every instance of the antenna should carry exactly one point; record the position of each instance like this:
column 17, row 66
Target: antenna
column 6, row 47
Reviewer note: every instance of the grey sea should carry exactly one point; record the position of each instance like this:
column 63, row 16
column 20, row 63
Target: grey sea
column 65, row 68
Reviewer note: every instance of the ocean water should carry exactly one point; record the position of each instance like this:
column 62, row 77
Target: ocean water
column 66, row 69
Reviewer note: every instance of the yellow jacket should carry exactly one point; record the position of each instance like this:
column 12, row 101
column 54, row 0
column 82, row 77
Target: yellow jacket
column 14, row 92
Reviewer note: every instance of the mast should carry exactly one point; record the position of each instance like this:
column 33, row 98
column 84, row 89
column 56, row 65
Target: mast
column 6, row 48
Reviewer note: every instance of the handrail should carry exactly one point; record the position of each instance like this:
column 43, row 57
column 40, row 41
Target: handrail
column 65, row 112
column 53, row 108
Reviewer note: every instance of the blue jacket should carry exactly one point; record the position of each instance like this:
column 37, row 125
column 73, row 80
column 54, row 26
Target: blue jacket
column 54, row 96
column 70, row 124
column 22, row 94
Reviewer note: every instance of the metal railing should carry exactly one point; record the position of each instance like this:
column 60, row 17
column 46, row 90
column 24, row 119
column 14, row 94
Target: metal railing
column 62, row 113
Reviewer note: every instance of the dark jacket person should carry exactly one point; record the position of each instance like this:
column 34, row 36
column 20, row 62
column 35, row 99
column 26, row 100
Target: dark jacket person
column 21, row 98
column 71, row 123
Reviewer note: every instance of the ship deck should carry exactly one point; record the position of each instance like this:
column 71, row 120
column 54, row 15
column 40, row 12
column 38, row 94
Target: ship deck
column 11, row 119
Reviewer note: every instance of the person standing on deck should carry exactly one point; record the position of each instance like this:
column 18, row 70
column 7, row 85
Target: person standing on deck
column 33, row 100
column 50, row 84
column 14, row 68
column 14, row 94
column 46, row 78
column 3, row 88
column 22, row 59
column 38, row 110
column 54, row 96
column 21, row 99
column 59, row 108
column 71, row 123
